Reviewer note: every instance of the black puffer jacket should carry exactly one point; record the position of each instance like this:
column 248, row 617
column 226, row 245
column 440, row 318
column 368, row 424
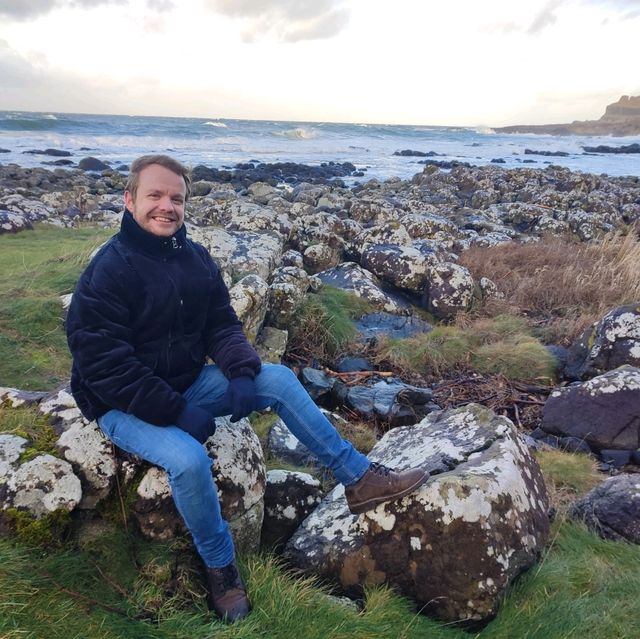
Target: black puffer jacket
column 145, row 313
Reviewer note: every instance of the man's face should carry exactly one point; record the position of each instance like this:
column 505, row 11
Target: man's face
column 158, row 206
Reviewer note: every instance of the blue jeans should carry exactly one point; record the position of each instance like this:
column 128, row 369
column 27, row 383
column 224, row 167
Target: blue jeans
column 189, row 467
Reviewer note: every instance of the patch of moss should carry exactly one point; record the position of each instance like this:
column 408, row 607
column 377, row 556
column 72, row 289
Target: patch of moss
column 47, row 531
column 28, row 422
column 111, row 507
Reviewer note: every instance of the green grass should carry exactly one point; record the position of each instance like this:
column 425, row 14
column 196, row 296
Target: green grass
column 36, row 267
column 500, row 345
column 323, row 324
column 584, row 587
column 30, row 423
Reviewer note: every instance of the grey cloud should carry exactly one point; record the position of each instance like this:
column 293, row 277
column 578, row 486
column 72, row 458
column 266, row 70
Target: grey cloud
column 286, row 20
column 545, row 18
column 161, row 6
column 27, row 9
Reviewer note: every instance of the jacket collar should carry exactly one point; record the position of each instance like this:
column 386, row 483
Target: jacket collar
column 134, row 236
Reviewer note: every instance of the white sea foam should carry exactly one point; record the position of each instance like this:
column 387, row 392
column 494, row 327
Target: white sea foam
column 220, row 125
column 49, row 116
column 298, row 134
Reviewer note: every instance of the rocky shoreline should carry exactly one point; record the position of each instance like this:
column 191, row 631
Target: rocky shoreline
column 396, row 244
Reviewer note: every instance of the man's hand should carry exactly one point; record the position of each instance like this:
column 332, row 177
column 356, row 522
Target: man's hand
column 197, row 422
column 241, row 396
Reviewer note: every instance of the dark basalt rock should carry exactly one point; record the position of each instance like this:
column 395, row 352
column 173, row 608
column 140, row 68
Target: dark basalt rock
column 354, row 364
column 5, row 150
column 92, row 164
column 53, row 152
column 416, row 154
column 602, row 411
column 559, row 154
column 612, row 509
column 603, row 148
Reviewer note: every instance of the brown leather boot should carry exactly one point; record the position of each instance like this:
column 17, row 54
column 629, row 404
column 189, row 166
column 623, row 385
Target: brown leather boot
column 380, row 484
column 227, row 595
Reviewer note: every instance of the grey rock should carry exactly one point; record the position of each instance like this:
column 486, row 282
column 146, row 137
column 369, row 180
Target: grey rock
column 612, row 509
column 456, row 544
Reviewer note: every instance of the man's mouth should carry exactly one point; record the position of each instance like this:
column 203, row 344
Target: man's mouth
column 159, row 218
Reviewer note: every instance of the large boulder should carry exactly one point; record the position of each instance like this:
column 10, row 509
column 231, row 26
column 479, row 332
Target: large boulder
column 240, row 253
column 240, row 475
column 83, row 445
column 449, row 290
column 602, row 411
column 454, row 545
column 609, row 343
column 612, row 509
column 403, row 266
column 352, row 278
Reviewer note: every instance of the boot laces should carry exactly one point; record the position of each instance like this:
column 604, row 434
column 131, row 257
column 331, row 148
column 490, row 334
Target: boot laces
column 227, row 578
column 380, row 469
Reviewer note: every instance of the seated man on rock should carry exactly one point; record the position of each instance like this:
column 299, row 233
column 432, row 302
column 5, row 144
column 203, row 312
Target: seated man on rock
column 147, row 311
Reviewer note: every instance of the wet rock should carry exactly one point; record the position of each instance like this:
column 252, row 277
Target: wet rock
column 616, row 458
column 52, row 152
column 249, row 298
column 612, row 509
column 317, row 383
column 354, row 364
column 608, row 344
column 449, row 290
column 289, row 498
column 602, row 411
column 388, row 399
column 454, row 545
column 352, row 278
column 376, row 325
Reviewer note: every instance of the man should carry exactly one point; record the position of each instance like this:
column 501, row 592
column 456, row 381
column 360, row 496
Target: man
column 147, row 311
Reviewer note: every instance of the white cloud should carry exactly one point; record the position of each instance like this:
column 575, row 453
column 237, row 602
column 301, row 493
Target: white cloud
column 285, row 20
column 28, row 9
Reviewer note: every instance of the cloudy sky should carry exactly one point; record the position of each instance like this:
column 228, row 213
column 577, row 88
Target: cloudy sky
column 459, row 62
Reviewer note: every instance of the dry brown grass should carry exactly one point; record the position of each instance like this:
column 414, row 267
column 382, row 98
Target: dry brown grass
column 560, row 284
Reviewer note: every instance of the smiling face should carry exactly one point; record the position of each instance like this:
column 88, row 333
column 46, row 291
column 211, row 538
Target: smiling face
column 158, row 205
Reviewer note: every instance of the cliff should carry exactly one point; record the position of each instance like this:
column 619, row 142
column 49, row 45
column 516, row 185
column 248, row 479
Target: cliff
column 620, row 118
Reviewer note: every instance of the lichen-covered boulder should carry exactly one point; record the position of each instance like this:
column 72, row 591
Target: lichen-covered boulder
column 240, row 253
column 402, row 266
column 392, row 233
column 289, row 497
column 240, row 475
column 13, row 222
column 456, row 543
column 249, row 299
column 612, row 509
column 449, row 290
column 11, row 448
column 83, row 445
column 41, row 486
column 289, row 285
column 603, row 411
column 609, row 343
column 352, row 278
column 319, row 257
column 292, row 258
column 271, row 344
column 14, row 397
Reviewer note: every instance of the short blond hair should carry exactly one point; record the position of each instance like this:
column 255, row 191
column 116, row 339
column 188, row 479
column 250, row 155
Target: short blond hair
column 163, row 160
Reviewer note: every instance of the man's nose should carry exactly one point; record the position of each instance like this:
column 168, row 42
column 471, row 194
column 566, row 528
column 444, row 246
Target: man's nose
column 166, row 203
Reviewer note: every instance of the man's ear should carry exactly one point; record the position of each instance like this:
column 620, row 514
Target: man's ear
column 128, row 201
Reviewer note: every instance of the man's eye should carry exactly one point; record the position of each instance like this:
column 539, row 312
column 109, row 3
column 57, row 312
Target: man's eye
column 177, row 200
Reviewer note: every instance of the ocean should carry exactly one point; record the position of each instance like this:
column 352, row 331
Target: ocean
column 218, row 143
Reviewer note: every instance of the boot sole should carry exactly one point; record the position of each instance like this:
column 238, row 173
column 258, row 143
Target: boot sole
column 363, row 507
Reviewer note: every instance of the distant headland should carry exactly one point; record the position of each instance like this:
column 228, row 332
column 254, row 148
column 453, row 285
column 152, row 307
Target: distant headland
column 620, row 118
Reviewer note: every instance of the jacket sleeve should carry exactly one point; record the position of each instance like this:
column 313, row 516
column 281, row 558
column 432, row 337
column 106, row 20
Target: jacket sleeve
column 226, row 343
column 100, row 338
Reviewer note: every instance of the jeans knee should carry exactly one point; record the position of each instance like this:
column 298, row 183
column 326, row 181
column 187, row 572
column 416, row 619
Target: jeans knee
column 191, row 464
